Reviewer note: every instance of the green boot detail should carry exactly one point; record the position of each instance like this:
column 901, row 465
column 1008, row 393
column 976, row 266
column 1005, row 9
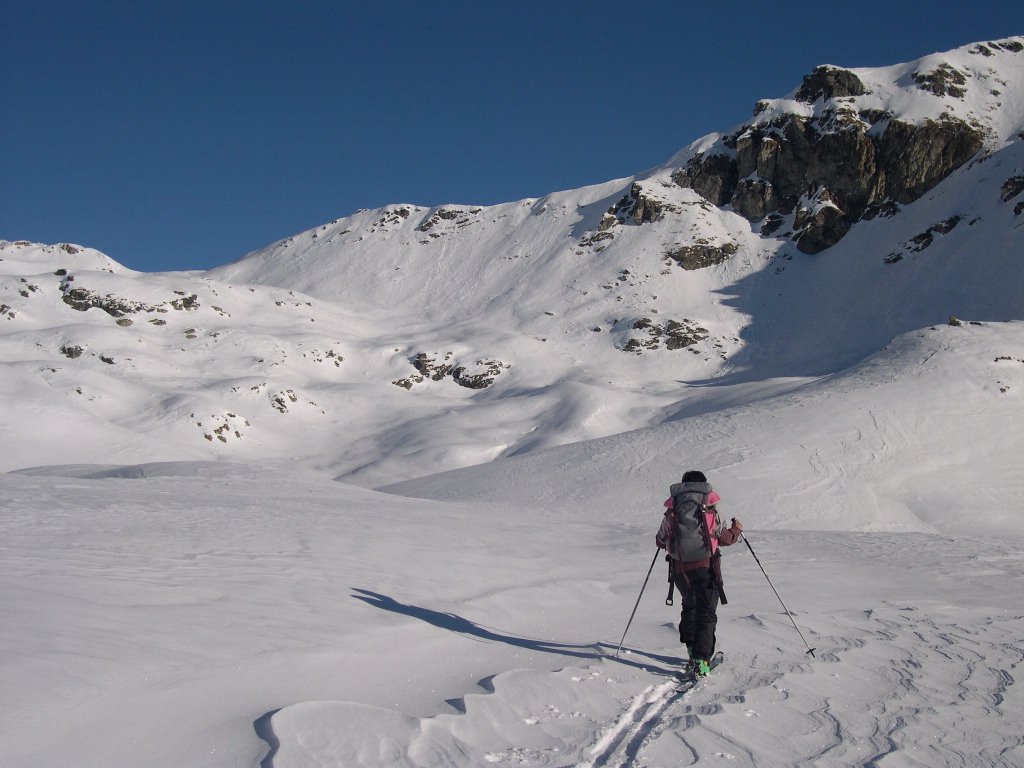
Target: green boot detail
column 701, row 668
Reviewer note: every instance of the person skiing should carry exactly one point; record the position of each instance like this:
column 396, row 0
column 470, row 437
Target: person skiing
column 691, row 534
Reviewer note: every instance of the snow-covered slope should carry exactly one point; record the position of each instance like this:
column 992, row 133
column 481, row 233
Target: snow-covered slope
column 876, row 447
column 404, row 341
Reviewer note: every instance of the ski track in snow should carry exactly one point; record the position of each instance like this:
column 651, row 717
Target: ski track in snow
column 903, row 686
column 620, row 744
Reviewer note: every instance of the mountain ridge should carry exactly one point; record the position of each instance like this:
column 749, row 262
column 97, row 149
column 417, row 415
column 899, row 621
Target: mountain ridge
column 407, row 340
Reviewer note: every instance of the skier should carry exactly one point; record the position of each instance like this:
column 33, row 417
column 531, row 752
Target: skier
column 691, row 534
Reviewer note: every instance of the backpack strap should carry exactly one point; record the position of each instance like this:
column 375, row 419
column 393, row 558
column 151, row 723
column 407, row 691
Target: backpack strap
column 705, row 531
column 671, row 581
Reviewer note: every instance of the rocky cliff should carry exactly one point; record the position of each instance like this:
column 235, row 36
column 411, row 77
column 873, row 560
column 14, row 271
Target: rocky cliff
column 835, row 152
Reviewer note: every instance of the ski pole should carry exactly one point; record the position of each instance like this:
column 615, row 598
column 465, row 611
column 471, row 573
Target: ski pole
column 809, row 649
column 649, row 570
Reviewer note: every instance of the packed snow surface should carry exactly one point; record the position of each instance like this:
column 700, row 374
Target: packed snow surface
column 385, row 493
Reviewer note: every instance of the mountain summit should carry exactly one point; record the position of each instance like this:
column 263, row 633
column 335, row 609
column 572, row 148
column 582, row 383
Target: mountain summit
column 404, row 340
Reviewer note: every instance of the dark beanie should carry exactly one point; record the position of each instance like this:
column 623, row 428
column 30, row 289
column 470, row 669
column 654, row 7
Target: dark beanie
column 693, row 476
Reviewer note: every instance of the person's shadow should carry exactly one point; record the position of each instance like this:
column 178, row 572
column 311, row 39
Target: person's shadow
column 455, row 623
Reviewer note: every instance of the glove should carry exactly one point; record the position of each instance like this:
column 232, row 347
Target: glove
column 737, row 525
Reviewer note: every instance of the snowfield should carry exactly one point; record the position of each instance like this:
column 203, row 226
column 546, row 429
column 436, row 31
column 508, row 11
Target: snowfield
column 215, row 615
column 385, row 493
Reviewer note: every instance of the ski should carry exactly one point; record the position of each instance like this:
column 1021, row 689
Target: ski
column 687, row 678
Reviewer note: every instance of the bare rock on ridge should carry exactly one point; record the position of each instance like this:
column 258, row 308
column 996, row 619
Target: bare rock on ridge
column 859, row 162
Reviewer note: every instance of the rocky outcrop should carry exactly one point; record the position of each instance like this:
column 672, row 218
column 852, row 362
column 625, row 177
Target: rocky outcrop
column 480, row 375
column 83, row 300
column 919, row 242
column 701, row 255
column 819, row 223
column 990, row 49
column 71, row 351
column 713, row 177
column 636, row 207
column 1012, row 187
column 829, row 83
column 857, row 163
column 647, row 334
column 453, row 218
column 944, row 80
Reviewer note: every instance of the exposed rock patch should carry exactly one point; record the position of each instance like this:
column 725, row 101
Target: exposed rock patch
column 701, row 255
column 330, row 356
column 713, row 177
column 829, row 82
column 646, row 334
column 221, row 426
column 944, row 80
column 392, row 217
column 279, row 400
column 772, row 224
column 637, row 207
column 923, row 240
column 83, row 299
column 886, row 210
column 480, row 375
column 455, row 217
column 1012, row 187
column 819, row 223
column 991, row 49
column 919, row 242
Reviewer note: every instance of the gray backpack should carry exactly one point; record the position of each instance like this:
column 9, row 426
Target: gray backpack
column 691, row 539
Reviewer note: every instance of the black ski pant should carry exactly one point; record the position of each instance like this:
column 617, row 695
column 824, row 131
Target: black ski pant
column 699, row 618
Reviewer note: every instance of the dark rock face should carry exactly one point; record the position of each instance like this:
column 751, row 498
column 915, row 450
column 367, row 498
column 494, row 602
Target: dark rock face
column 990, row 49
column 944, row 80
column 1012, row 187
column 480, row 376
column 483, row 377
column 635, row 207
column 83, row 300
column 714, row 178
column 820, row 226
column 772, row 224
column 829, row 82
column 430, row 368
column 786, row 164
column 913, row 159
column 646, row 334
column 923, row 240
column 862, row 164
column 456, row 218
column 702, row 255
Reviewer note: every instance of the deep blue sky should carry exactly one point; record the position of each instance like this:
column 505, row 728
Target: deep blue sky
column 181, row 135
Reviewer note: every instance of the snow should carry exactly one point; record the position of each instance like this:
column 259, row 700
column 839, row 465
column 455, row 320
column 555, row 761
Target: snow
column 228, row 539
column 207, row 615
